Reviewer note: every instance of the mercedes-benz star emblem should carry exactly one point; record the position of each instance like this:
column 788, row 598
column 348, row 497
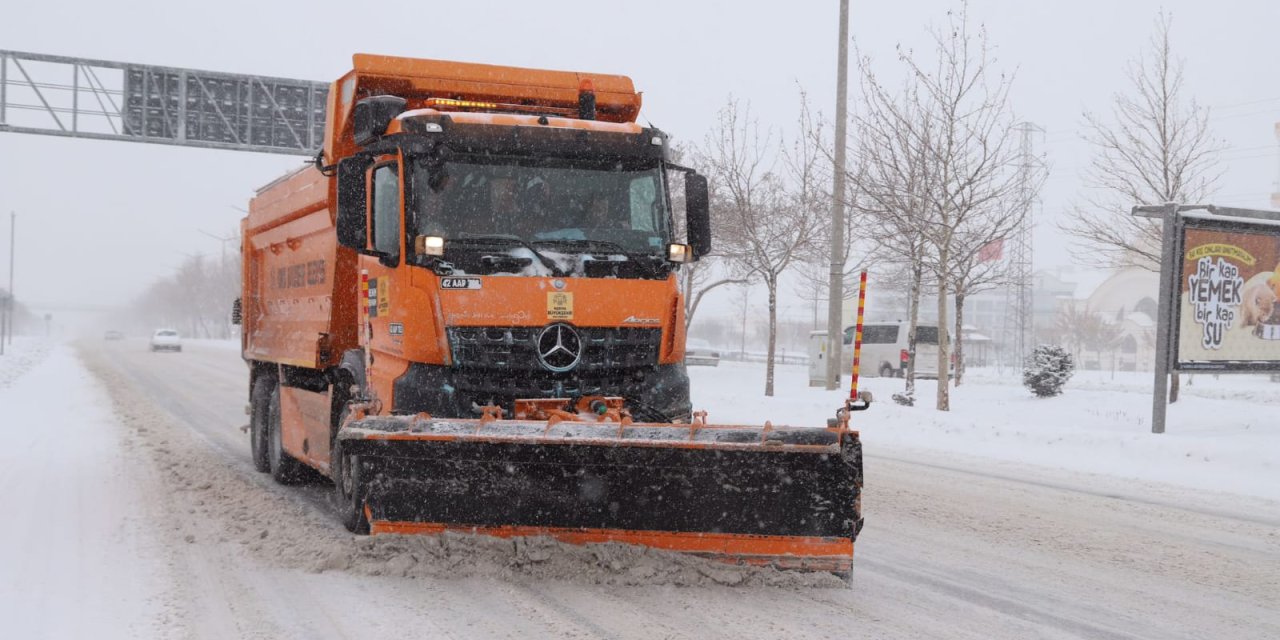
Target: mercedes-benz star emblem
column 559, row 347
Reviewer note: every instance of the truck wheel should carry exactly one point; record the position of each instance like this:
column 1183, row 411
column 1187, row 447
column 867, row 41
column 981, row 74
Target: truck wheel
column 349, row 490
column 886, row 371
column 284, row 469
column 260, row 407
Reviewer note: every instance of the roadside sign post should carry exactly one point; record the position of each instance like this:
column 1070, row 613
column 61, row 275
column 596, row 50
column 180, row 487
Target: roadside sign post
column 1219, row 298
column 1164, row 327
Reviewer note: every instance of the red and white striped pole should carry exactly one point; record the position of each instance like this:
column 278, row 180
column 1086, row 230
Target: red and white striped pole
column 857, row 335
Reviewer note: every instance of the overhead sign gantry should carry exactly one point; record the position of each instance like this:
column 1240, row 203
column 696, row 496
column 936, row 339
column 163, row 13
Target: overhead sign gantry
column 83, row 98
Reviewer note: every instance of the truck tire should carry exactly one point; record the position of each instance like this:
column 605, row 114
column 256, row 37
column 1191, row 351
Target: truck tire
column 349, row 491
column 284, row 468
column 886, row 371
column 260, row 408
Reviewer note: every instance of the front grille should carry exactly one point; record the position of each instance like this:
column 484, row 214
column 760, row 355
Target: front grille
column 500, row 364
column 604, row 349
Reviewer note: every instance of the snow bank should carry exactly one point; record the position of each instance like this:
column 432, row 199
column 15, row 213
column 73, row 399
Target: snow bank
column 76, row 557
column 1222, row 436
column 20, row 356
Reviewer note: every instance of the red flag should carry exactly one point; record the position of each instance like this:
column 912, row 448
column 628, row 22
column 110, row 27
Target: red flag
column 990, row 251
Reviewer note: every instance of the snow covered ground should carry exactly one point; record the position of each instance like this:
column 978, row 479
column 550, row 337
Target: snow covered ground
column 77, row 558
column 1224, row 435
column 19, row 356
column 134, row 512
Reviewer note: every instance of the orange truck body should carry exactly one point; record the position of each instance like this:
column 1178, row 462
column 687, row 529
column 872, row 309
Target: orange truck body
column 372, row 363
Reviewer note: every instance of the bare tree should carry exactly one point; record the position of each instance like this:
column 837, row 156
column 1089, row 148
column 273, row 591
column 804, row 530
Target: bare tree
column 767, row 223
column 742, row 302
column 1158, row 149
column 1083, row 328
column 971, row 159
column 813, row 180
column 1073, row 325
column 977, row 264
column 697, row 279
column 196, row 298
column 892, row 178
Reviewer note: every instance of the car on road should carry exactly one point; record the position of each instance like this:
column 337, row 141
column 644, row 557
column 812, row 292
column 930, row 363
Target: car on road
column 700, row 352
column 166, row 340
column 113, row 335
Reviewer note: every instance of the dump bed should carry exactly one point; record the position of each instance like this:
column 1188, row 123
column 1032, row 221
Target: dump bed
column 299, row 285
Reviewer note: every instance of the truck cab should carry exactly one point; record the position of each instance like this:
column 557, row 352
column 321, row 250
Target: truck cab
column 517, row 256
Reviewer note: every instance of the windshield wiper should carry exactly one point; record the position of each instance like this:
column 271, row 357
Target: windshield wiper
column 480, row 238
column 646, row 261
column 589, row 243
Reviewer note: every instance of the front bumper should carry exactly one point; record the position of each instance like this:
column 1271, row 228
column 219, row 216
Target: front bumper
column 657, row 393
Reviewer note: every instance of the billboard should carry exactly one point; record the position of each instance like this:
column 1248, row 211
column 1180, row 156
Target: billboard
column 1227, row 312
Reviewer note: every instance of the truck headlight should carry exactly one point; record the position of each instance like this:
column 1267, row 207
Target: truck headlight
column 678, row 252
column 429, row 245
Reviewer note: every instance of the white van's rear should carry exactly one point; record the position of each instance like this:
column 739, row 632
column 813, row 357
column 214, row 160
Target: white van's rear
column 884, row 349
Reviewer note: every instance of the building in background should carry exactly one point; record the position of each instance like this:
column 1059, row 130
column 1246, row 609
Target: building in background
column 1125, row 310
column 986, row 312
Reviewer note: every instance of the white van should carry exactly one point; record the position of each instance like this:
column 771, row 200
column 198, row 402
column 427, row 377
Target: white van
column 884, row 350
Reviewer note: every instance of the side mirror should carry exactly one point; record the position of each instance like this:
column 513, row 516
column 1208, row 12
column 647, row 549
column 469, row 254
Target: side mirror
column 698, row 212
column 236, row 312
column 352, row 218
column 372, row 115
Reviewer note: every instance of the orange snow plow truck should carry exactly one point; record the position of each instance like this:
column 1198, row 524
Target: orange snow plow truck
column 466, row 314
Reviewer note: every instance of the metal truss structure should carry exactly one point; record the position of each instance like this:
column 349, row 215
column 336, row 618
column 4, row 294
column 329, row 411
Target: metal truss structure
column 1019, row 329
column 82, row 98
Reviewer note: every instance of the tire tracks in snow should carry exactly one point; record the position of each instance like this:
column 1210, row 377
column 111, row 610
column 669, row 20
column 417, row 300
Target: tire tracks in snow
column 1201, row 510
column 945, row 554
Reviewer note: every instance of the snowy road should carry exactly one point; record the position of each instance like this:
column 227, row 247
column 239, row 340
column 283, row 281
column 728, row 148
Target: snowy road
column 952, row 548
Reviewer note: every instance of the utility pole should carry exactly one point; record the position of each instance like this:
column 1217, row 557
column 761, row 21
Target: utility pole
column 835, row 287
column 13, row 227
column 1019, row 329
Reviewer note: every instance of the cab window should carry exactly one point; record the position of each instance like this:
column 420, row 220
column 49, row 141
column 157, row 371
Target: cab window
column 386, row 211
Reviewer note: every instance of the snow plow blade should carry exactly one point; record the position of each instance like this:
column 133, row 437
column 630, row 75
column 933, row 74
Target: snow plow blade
column 782, row 496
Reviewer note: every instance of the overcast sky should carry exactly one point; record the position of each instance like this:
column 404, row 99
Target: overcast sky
column 99, row 220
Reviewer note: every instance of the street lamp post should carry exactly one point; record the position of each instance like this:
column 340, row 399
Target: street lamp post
column 835, row 287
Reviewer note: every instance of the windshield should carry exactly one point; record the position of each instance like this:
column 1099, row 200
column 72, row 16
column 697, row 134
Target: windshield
column 615, row 208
